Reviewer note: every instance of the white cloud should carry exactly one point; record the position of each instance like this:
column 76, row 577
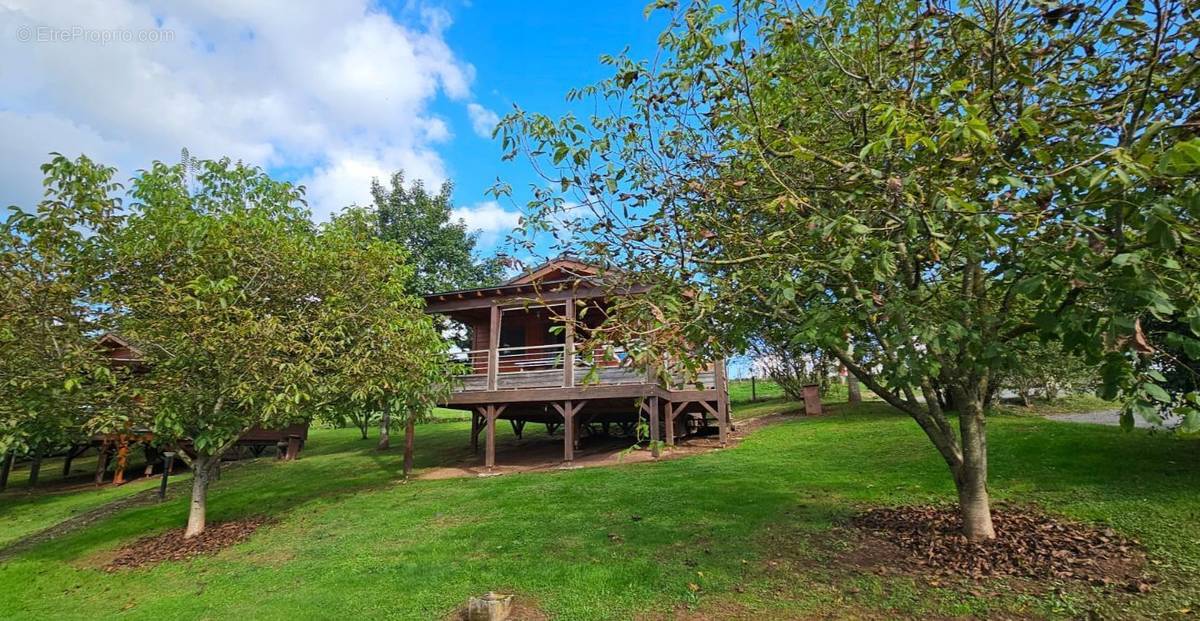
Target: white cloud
column 489, row 218
column 483, row 121
column 339, row 91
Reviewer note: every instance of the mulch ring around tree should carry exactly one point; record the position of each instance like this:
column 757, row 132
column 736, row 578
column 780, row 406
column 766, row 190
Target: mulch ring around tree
column 171, row 546
column 1029, row 544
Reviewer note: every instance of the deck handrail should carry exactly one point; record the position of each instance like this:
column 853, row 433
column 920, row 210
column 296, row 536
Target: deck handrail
column 525, row 358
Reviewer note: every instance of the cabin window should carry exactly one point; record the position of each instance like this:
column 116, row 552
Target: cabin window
column 512, row 335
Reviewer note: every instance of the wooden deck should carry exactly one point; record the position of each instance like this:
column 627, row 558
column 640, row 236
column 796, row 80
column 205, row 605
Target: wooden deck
column 532, row 385
column 524, row 365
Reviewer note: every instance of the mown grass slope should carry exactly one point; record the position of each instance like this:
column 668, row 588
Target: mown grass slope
column 631, row 541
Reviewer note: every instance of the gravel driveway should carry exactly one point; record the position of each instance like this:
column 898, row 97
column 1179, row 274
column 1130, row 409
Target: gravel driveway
column 1108, row 417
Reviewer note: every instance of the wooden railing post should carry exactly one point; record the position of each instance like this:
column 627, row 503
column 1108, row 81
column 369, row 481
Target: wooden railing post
column 493, row 347
column 569, row 344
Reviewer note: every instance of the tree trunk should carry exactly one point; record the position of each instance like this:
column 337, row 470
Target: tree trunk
column 971, row 476
column 385, row 425
column 853, row 390
column 202, row 466
column 1050, row 392
column 101, row 463
column 364, row 424
column 35, row 468
column 6, row 468
column 967, row 461
column 409, row 432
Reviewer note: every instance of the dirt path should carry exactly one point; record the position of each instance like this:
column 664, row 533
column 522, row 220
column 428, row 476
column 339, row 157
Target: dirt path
column 545, row 453
column 82, row 520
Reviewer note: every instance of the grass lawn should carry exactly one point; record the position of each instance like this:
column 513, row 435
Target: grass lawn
column 739, row 532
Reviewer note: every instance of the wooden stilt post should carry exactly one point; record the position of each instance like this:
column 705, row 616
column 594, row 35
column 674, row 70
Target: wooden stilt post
column 122, row 461
column 489, row 459
column 151, row 457
column 293, row 448
column 35, row 468
column 476, row 427
column 569, row 410
column 101, row 462
column 67, row 461
column 655, row 437
column 6, row 468
column 568, row 414
column 670, row 420
column 722, row 402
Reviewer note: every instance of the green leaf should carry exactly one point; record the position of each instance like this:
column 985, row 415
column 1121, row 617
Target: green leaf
column 1156, row 392
column 1190, row 423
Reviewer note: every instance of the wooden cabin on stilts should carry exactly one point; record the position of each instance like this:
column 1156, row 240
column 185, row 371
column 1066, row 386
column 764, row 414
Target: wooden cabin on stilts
column 523, row 366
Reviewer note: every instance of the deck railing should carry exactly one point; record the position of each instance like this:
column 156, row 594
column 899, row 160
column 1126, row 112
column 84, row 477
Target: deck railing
column 540, row 366
column 530, row 358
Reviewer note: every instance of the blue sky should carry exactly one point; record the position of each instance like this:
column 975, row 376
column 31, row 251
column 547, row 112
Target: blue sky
column 324, row 94
column 327, row 94
column 531, row 57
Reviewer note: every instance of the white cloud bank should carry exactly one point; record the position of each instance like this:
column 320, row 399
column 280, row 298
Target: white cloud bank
column 337, row 92
column 483, row 121
column 491, row 220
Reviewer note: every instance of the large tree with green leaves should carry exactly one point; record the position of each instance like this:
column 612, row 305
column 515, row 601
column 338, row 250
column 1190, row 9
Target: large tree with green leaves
column 248, row 316
column 937, row 180
column 441, row 249
column 51, row 262
column 382, row 349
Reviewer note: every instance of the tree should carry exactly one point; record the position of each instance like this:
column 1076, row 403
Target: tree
column 1044, row 369
column 937, row 181
column 50, row 368
column 441, row 249
column 343, row 417
column 248, row 317
column 791, row 365
column 384, row 352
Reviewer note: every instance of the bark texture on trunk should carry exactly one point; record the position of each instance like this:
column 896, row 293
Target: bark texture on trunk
column 853, row 390
column 971, row 476
column 385, row 425
column 202, row 467
column 409, row 433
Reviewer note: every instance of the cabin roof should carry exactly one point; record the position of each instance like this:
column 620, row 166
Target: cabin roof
column 114, row 340
column 551, row 282
column 553, row 274
column 570, row 267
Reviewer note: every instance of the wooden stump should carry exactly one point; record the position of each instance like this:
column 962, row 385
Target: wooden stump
column 490, row 607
